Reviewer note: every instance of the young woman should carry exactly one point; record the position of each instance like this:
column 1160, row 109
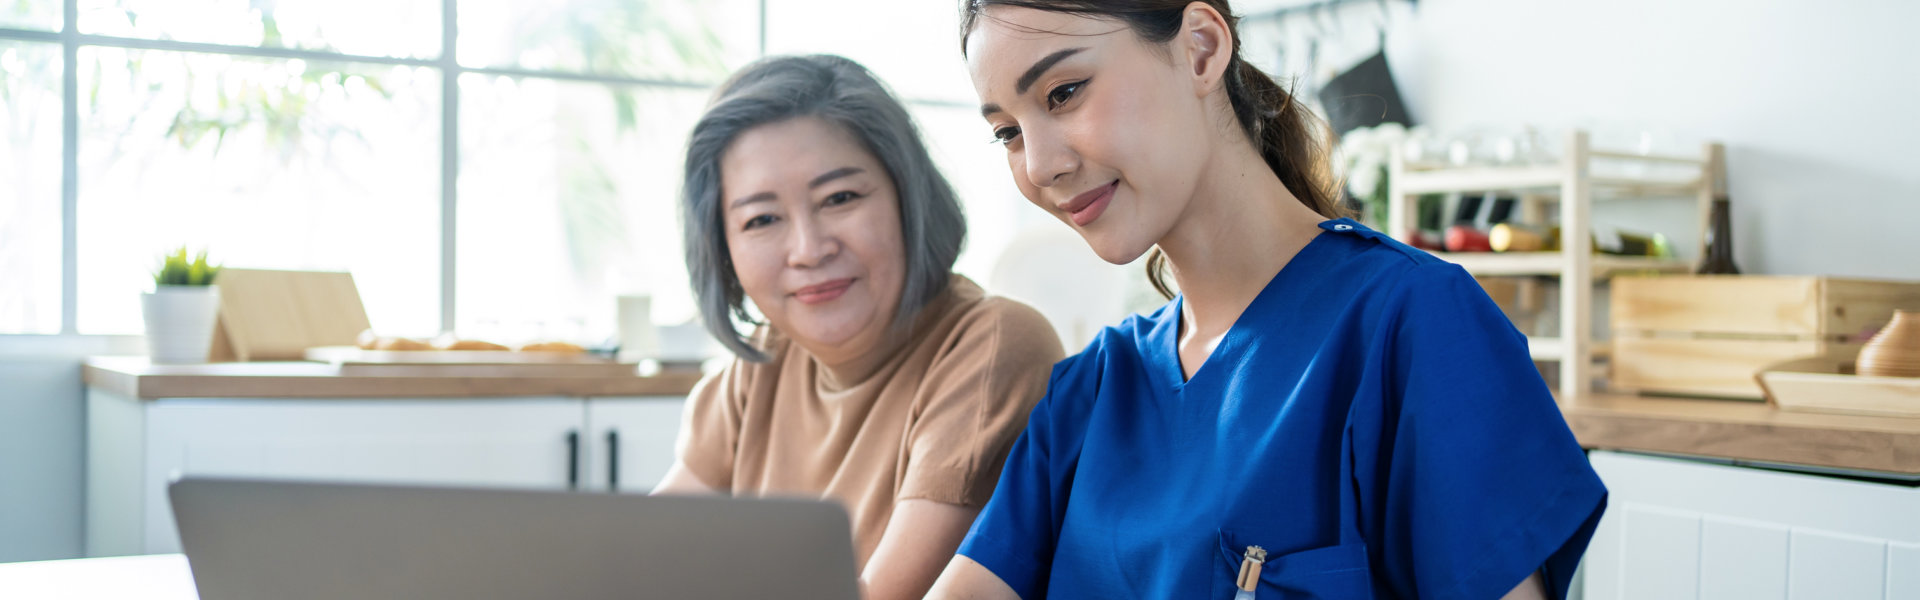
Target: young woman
column 880, row 378
column 1321, row 412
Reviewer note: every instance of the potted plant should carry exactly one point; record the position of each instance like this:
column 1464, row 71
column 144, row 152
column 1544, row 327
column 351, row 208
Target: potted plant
column 181, row 310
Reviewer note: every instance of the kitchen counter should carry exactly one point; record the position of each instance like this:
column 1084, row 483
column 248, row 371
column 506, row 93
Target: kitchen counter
column 1734, row 430
column 152, row 577
column 135, row 377
column 550, row 427
column 1747, row 431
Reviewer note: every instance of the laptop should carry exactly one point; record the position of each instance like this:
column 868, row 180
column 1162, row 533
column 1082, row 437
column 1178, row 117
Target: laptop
column 254, row 539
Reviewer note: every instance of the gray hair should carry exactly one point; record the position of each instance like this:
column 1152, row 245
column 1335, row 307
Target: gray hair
column 842, row 93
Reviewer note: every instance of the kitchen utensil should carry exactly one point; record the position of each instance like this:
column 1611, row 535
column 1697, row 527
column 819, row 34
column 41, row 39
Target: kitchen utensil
column 1895, row 351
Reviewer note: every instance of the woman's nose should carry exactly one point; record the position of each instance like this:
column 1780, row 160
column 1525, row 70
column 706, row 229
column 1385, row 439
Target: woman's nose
column 813, row 243
column 1049, row 160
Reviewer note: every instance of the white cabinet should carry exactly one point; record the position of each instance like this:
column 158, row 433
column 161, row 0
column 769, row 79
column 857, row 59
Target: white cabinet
column 631, row 441
column 1688, row 529
column 136, row 447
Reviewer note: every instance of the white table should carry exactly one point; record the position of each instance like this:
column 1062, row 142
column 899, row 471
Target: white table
column 152, row 577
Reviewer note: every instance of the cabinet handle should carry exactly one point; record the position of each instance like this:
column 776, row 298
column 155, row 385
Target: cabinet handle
column 573, row 459
column 613, row 460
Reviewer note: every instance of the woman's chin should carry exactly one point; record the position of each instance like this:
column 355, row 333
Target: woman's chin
column 1113, row 250
column 826, row 334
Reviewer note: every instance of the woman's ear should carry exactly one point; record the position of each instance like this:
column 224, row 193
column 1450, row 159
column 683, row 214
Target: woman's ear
column 1209, row 46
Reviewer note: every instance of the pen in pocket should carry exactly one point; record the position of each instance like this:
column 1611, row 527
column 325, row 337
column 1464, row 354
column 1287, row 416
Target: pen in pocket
column 1249, row 579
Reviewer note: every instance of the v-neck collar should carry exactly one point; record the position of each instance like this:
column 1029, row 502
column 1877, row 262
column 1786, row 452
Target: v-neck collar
column 1163, row 341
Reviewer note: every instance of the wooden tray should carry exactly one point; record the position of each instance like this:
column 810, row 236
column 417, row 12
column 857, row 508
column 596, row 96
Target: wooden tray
column 344, row 355
column 1827, row 384
column 535, row 370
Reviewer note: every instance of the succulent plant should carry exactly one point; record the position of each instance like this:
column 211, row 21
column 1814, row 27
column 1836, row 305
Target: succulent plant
column 177, row 269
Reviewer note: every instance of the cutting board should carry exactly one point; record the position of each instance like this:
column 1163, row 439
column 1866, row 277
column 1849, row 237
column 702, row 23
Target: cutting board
column 278, row 315
column 354, row 361
column 341, row 355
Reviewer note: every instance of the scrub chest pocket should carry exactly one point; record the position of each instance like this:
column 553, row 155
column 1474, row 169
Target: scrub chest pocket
column 1326, row 573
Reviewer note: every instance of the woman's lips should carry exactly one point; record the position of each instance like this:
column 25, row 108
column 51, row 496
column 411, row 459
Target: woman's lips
column 823, row 292
column 1084, row 208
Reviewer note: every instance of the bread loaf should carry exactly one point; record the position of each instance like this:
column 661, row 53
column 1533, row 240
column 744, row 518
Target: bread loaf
column 561, row 347
column 400, row 343
column 474, row 345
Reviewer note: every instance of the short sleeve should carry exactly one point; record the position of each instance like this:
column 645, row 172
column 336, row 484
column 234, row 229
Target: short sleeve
column 974, row 402
column 1472, row 479
column 1014, row 536
column 710, row 429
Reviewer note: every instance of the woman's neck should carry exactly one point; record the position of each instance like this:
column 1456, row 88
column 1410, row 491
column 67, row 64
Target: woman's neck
column 841, row 368
column 1240, row 228
column 847, row 366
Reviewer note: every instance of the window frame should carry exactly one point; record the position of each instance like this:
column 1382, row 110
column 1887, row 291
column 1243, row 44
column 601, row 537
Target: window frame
column 446, row 64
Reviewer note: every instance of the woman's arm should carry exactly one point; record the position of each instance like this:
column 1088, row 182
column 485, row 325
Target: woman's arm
column 1534, row 588
column 920, row 538
column 709, row 435
column 681, row 482
column 967, row 580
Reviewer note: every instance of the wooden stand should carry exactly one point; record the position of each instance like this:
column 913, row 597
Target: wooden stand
column 277, row 315
column 1572, row 184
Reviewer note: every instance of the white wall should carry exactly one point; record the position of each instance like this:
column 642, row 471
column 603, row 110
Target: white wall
column 40, row 459
column 42, row 443
column 1818, row 103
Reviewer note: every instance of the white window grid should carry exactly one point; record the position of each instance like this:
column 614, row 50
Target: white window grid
column 447, row 63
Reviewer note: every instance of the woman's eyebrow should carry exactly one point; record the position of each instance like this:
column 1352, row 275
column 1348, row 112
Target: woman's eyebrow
column 745, row 200
column 1033, row 74
column 834, row 174
column 1040, row 68
column 823, row 179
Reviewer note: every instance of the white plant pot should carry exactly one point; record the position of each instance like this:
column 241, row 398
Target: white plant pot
column 180, row 321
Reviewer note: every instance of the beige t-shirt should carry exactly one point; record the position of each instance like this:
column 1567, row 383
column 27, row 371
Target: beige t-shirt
column 933, row 422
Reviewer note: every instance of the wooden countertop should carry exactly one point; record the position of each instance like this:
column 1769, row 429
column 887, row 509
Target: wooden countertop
column 1751, row 431
column 136, row 378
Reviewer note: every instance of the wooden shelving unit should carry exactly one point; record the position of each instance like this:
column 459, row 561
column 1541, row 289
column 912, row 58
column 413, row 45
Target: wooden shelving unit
column 1572, row 185
column 1552, row 263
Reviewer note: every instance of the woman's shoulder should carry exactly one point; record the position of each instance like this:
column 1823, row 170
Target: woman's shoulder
column 1374, row 253
column 1376, row 269
column 1009, row 322
column 1121, row 347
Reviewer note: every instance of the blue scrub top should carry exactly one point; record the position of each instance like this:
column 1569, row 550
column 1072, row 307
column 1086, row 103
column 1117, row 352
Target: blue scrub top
column 1372, row 421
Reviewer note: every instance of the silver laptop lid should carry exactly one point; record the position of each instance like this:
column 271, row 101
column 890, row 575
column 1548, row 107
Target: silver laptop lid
column 248, row 539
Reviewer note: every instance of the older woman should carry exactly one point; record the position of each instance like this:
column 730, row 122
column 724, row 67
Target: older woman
column 879, row 377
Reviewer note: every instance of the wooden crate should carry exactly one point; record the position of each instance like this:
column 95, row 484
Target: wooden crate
column 1707, row 335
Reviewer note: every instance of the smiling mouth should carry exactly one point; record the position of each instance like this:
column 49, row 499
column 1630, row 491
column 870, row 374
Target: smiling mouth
column 823, row 292
column 1086, row 207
